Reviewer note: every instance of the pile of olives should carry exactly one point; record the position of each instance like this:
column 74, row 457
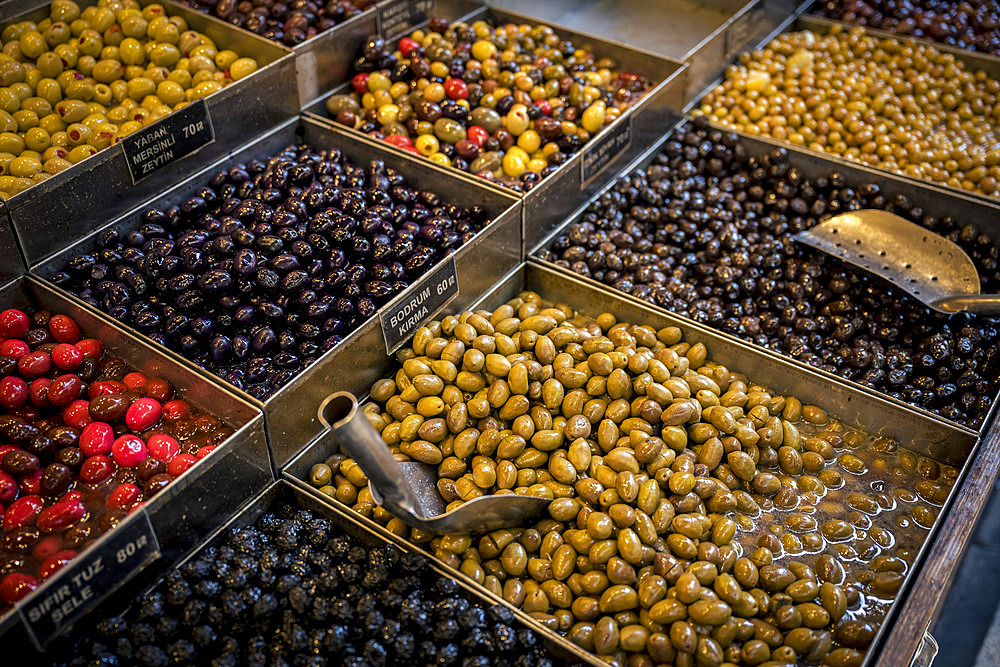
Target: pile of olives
column 707, row 231
column 271, row 263
column 902, row 106
column 289, row 23
column 973, row 24
column 508, row 103
column 80, row 80
column 696, row 516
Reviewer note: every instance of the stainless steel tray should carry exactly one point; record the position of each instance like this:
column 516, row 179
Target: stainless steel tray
column 917, row 431
column 87, row 194
column 201, row 499
column 981, row 213
column 973, row 60
column 322, row 61
column 291, row 412
column 11, row 263
column 354, row 525
column 545, row 204
column 705, row 35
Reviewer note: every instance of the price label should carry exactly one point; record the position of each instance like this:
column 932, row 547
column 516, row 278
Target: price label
column 86, row 580
column 407, row 313
column 605, row 150
column 176, row 136
column 398, row 16
column 742, row 29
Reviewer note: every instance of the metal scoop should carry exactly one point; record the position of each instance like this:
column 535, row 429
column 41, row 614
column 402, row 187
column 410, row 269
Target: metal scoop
column 409, row 490
column 925, row 265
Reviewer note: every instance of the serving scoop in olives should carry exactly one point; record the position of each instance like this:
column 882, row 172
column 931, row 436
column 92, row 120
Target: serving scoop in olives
column 409, row 490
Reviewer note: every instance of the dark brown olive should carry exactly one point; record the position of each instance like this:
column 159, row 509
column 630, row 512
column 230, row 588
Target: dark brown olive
column 56, row 478
column 155, row 483
column 108, row 407
column 19, row 462
column 71, row 457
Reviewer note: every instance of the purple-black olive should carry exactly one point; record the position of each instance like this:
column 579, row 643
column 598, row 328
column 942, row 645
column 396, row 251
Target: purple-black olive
column 220, row 347
column 214, row 281
column 264, row 339
column 305, row 242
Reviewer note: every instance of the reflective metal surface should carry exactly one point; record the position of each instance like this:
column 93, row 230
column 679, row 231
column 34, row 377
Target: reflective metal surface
column 546, row 204
column 88, row 194
column 925, row 265
column 11, row 263
column 409, row 490
column 204, row 497
column 324, row 62
column 989, row 64
column 290, row 413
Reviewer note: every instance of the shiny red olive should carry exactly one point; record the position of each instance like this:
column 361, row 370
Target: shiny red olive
column 105, row 387
column 60, row 516
column 96, row 438
column 163, row 447
column 13, row 348
column 67, row 357
column 13, row 392
column 180, row 464
column 38, row 391
column 134, row 380
column 34, row 364
column 54, row 563
column 128, row 451
column 64, row 329
column 143, row 414
column 64, row 389
column 13, row 323
column 77, row 414
column 176, row 410
column 15, row 586
column 90, row 348
column 124, row 496
column 97, row 468
column 22, row 512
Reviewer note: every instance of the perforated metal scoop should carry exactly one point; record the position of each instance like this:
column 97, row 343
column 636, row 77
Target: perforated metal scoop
column 409, row 490
column 925, row 265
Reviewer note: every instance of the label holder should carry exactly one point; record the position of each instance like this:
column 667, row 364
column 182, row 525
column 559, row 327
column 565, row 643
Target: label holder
column 90, row 578
column 397, row 16
column 423, row 300
column 170, row 139
column 607, row 147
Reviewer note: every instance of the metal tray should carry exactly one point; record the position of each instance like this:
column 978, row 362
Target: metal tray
column 705, row 35
column 11, row 262
column 348, row 522
column 919, row 432
column 545, row 204
column 979, row 212
column 973, row 60
column 322, row 61
column 291, row 412
column 198, row 501
column 809, row 14
column 100, row 187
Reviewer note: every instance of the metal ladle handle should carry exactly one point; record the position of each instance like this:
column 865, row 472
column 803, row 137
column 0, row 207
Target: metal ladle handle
column 351, row 430
column 977, row 304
